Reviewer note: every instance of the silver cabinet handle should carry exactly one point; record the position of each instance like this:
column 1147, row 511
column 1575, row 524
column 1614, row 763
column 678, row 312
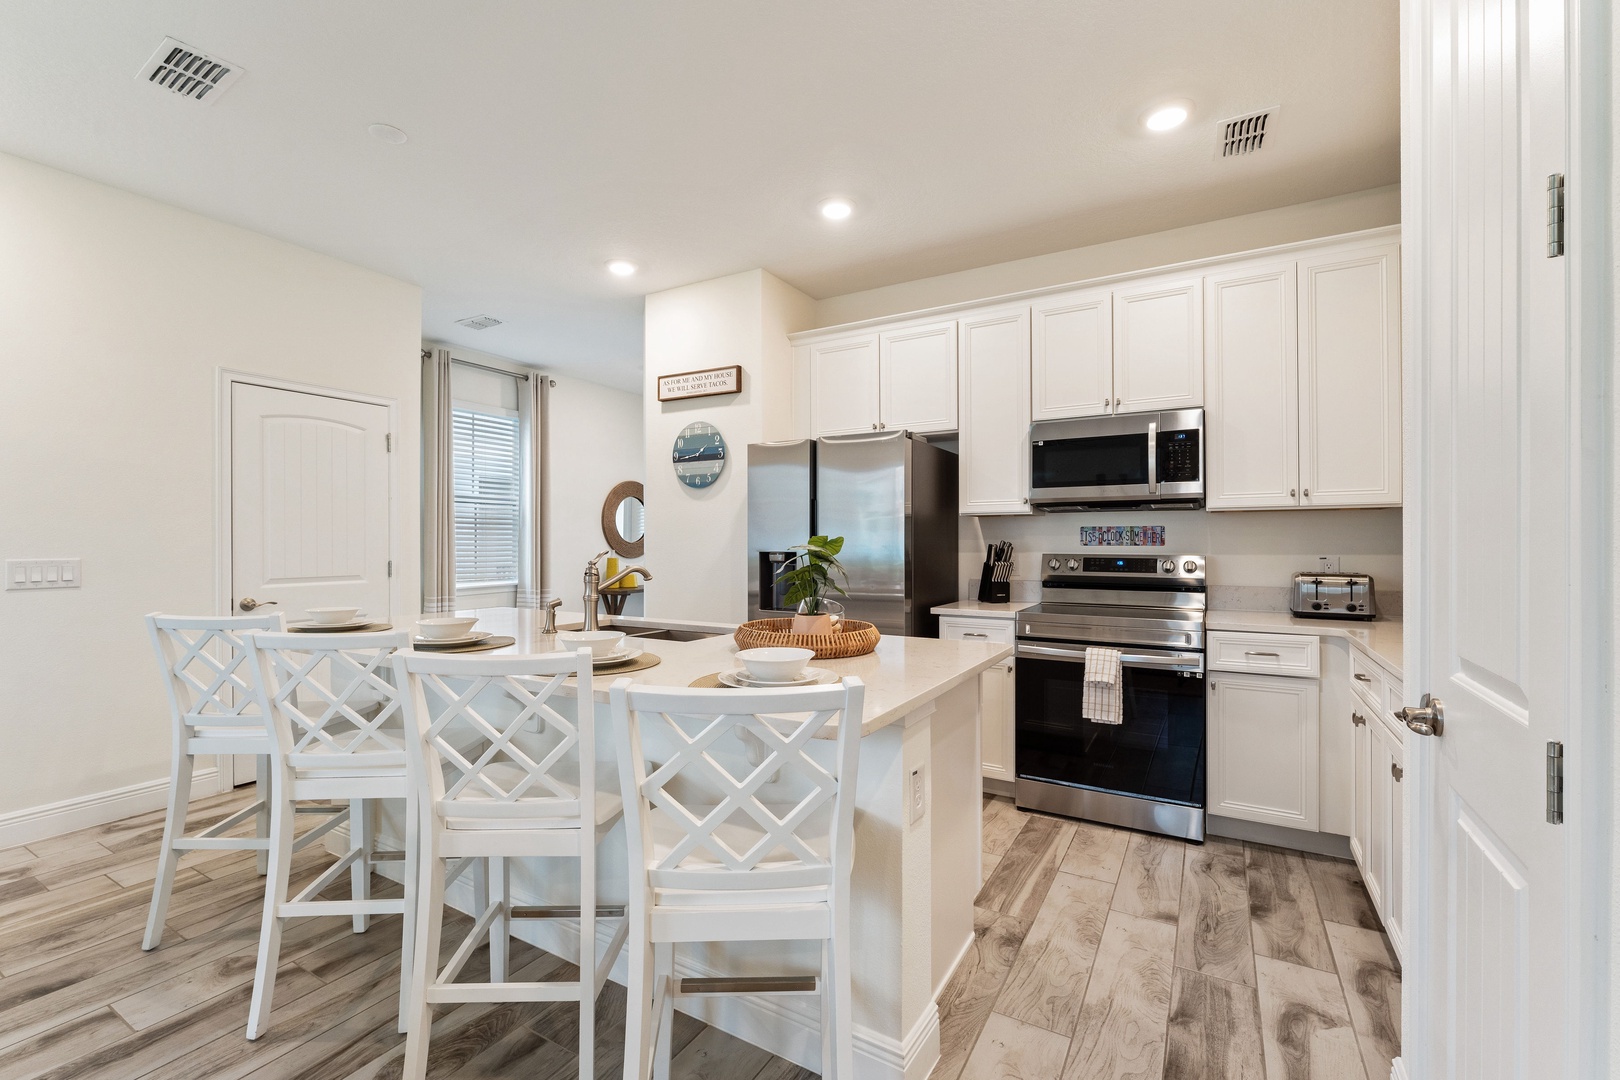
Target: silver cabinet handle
column 1307, row 493
column 1357, row 720
column 248, row 603
column 1396, row 771
column 1252, row 652
column 1292, row 493
column 985, row 636
column 1363, row 678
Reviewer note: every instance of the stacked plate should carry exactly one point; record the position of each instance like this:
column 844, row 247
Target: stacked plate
column 358, row 622
column 460, row 641
column 619, row 657
column 741, row 679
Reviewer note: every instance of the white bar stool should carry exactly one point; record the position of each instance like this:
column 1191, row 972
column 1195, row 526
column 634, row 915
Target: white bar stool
column 214, row 710
column 335, row 719
column 482, row 796
column 755, row 851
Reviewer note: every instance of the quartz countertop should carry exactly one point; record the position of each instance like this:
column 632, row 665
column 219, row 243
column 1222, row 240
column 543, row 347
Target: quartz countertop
column 981, row 610
column 902, row 674
column 1380, row 639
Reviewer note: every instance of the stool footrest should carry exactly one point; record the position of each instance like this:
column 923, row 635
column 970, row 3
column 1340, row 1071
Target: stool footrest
column 758, row 984
column 387, row 856
column 311, row 809
column 564, row 912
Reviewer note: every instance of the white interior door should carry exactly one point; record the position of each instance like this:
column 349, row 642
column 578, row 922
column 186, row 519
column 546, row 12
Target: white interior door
column 309, row 505
column 1490, row 530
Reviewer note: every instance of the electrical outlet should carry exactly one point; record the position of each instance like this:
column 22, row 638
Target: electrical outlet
column 919, row 794
column 1327, row 564
column 42, row 574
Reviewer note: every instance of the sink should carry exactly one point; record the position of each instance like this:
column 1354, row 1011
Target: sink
column 649, row 633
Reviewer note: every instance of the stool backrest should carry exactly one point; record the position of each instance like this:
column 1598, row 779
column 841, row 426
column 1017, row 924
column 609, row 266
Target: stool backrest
column 206, row 669
column 454, row 704
column 802, row 838
column 330, row 696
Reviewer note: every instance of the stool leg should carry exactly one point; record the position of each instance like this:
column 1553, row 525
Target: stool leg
column 275, row 894
column 843, row 1002
column 665, row 975
column 425, row 966
column 587, row 954
column 409, row 880
column 500, row 927
column 829, row 1040
column 639, row 984
column 261, row 820
column 174, row 827
column 360, row 873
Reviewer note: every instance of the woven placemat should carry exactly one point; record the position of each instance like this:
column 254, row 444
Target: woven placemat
column 640, row 663
column 710, row 681
column 477, row 646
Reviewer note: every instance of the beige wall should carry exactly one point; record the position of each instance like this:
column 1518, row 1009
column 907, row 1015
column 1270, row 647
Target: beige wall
column 116, row 313
column 695, row 538
column 1285, row 224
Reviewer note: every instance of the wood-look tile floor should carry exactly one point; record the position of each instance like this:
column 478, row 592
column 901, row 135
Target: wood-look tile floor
column 79, row 999
column 1101, row 952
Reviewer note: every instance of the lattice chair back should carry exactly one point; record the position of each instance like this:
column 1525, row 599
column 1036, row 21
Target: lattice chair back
column 207, row 672
column 463, row 714
column 331, row 698
column 738, row 799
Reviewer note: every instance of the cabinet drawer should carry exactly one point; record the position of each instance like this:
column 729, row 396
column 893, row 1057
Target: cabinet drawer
column 956, row 629
column 1392, row 705
column 1369, row 681
column 1297, row 655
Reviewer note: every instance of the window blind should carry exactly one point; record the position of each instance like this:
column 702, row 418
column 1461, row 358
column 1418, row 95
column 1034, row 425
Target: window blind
column 487, row 471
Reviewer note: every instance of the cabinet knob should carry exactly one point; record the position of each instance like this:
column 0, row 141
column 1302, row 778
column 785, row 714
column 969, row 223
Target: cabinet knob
column 1396, row 771
column 1357, row 720
column 1292, row 494
column 1307, row 493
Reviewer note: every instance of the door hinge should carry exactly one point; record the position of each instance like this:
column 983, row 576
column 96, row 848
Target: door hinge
column 390, row 567
column 1555, row 783
column 388, row 442
column 1555, row 215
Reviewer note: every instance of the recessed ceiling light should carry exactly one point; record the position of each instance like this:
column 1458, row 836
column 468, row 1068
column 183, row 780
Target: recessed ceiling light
column 621, row 268
column 836, row 209
column 1165, row 118
column 388, row 133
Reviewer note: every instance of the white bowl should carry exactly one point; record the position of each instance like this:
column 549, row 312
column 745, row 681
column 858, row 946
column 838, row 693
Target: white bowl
column 775, row 665
column 332, row 615
column 444, row 627
column 600, row 642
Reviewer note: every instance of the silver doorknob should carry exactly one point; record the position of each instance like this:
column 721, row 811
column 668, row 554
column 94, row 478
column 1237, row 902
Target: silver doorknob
column 248, row 603
column 1426, row 718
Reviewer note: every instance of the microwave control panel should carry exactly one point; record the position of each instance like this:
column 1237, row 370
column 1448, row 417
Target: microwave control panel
column 1178, row 457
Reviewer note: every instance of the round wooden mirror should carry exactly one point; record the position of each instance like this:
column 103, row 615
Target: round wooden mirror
column 624, row 519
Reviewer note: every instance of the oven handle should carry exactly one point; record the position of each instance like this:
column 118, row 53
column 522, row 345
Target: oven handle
column 1164, row 661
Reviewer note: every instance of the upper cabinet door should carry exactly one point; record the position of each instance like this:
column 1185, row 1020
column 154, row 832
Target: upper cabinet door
column 1159, row 345
column 1251, row 347
column 995, row 412
column 844, row 386
column 919, row 378
column 1072, row 362
column 1350, row 378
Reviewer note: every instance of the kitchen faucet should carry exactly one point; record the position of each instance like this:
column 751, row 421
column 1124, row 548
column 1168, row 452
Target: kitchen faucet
column 594, row 584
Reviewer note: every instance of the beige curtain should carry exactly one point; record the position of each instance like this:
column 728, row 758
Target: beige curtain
column 531, row 588
column 438, row 486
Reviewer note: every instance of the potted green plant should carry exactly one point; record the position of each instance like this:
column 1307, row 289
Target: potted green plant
column 809, row 577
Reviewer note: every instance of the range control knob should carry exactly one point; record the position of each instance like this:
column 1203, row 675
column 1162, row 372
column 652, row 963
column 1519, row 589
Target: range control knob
column 1169, row 566
column 1073, row 564
column 1189, row 566
column 1052, row 564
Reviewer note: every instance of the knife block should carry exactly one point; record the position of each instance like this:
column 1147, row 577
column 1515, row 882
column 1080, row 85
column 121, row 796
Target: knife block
column 990, row 591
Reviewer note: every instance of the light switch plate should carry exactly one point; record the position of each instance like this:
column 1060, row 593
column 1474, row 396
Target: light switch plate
column 43, row 574
column 1327, row 564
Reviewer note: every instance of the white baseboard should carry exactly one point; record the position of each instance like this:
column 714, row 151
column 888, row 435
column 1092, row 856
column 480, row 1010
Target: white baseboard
column 788, row 1027
column 86, row 811
column 1397, row 1070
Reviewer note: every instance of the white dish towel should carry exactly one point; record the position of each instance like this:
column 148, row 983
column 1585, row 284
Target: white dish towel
column 1102, row 698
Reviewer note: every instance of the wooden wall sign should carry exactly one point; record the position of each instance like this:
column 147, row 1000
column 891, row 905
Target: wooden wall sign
column 710, row 382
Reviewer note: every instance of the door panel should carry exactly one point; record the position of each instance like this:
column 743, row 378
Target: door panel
column 994, row 362
column 1495, row 451
column 1072, row 355
column 1251, row 345
column 1159, row 345
column 918, row 371
column 844, row 386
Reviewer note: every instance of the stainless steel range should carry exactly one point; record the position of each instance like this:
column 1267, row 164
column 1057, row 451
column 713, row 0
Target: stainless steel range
column 1147, row 772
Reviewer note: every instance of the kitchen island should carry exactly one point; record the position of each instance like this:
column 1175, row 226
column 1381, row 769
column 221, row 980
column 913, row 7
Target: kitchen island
column 917, row 844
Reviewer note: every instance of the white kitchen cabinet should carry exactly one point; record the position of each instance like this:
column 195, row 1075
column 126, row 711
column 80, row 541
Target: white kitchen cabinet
column 993, row 356
column 1377, row 836
column 844, row 386
column 917, row 366
column 996, row 693
column 1264, row 739
column 1362, row 764
column 1251, row 380
column 1072, row 355
column 1159, row 344
column 1350, row 377
column 1391, row 762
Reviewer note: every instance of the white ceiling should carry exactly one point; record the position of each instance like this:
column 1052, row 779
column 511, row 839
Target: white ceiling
column 696, row 137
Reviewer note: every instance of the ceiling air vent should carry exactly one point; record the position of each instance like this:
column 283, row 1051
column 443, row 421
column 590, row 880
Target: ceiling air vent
column 1244, row 134
column 179, row 68
column 479, row 322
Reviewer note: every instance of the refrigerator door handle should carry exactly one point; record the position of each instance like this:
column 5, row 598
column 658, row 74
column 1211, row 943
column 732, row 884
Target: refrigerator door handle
column 859, row 438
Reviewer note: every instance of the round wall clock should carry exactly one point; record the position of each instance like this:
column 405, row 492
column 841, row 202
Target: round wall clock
column 700, row 455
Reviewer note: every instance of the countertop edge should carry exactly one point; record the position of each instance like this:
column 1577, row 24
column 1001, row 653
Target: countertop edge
column 940, row 689
column 1282, row 622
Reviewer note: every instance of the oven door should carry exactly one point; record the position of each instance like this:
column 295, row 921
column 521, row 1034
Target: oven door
column 1157, row 754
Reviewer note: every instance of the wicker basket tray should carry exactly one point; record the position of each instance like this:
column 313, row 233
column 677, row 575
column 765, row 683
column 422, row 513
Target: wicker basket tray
column 854, row 638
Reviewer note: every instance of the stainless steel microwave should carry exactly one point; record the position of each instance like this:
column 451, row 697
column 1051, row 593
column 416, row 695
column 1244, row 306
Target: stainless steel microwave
column 1142, row 459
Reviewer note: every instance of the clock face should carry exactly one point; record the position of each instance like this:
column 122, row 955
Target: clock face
column 700, row 455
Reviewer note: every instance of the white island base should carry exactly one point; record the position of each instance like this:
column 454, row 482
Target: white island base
column 917, row 846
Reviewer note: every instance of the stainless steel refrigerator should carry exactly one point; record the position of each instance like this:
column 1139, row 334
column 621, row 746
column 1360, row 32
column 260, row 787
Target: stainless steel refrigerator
column 890, row 495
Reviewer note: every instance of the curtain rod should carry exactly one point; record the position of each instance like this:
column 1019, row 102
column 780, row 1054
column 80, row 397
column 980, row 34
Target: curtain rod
column 485, row 367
